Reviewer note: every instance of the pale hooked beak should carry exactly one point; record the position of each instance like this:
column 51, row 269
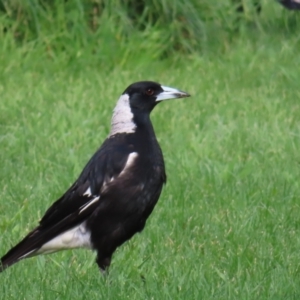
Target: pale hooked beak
column 170, row 93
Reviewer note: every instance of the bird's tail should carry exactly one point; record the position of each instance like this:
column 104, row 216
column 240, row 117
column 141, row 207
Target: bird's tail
column 26, row 248
column 31, row 245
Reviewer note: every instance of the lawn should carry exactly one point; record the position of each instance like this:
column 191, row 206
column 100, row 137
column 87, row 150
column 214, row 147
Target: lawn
column 227, row 225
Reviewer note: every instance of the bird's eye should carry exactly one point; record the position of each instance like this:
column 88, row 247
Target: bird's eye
column 150, row 92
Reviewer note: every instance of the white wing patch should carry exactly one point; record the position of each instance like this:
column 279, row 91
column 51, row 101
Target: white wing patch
column 77, row 237
column 122, row 119
column 88, row 192
column 84, row 207
column 130, row 160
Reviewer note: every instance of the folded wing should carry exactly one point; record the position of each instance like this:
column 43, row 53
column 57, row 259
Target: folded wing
column 63, row 225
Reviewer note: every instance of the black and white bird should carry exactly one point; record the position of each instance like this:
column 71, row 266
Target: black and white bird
column 116, row 191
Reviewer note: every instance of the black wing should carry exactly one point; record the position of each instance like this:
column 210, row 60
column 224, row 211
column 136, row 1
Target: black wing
column 107, row 163
column 77, row 204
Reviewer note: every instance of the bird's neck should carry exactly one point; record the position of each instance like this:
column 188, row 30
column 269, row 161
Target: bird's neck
column 122, row 119
column 128, row 120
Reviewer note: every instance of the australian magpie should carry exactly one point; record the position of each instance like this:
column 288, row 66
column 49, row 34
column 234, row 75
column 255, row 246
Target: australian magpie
column 116, row 191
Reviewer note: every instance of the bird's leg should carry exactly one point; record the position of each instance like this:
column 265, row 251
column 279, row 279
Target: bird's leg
column 103, row 264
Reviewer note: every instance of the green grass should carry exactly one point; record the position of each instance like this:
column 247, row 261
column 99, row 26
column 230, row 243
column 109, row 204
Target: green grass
column 227, row 225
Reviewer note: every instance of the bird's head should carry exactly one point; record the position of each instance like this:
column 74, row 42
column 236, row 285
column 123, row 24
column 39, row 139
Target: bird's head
column 145, row 95
column 136, row 103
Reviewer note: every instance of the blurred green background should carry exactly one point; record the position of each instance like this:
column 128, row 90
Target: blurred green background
column 227, row 224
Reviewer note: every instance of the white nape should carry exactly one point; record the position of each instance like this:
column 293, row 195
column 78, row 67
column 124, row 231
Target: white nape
column 122, row 119
column 88, row 192
column 131, row 158
column 77, row 237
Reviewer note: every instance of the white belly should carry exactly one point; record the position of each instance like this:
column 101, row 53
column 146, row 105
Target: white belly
column 77, row 237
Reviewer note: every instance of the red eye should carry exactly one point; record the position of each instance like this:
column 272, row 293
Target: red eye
column 149, row 92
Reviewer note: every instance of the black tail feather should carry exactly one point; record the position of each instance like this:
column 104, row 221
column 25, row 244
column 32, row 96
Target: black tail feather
column 24, row 249
column 39, row 236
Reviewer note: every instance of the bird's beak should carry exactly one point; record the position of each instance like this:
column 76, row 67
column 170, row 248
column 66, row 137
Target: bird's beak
column 170, row 93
